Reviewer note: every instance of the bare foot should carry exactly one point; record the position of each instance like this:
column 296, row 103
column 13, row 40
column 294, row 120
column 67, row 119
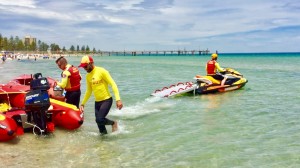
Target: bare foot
column 115, row 126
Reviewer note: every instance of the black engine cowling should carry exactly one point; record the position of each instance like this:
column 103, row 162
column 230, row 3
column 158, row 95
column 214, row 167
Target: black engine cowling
column 37, row 102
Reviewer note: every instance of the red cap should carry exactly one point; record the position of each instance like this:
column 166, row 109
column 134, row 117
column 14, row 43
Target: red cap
column 85, row 61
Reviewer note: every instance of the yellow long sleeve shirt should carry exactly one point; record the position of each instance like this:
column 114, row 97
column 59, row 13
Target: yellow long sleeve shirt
column 65, row 82
column 97, row 81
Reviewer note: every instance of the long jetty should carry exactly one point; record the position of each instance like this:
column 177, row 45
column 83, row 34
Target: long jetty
column 161, row 52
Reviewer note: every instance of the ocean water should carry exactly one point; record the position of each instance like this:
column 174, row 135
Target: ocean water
column 256, row 126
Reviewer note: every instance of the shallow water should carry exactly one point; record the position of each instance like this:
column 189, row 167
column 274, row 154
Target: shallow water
column 256, row 126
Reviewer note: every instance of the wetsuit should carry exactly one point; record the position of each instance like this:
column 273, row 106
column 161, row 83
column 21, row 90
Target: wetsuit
column 97, row 81
column 71, row 83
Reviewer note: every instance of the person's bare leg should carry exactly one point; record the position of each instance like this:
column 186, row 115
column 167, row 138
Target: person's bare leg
column 223, row 81
column 115, row 126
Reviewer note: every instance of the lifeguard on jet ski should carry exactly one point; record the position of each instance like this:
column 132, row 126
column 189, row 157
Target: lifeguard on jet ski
column 217, row 80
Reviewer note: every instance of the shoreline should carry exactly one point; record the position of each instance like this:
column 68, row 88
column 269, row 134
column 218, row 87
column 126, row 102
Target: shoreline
column 19, row 56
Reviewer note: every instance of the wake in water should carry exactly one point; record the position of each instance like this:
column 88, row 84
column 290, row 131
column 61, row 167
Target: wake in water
column 121, row 130
column 148, row 106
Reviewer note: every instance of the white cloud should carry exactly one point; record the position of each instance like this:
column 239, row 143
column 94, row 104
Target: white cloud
column 165, row 24
column 124, row 5
column 21, row 3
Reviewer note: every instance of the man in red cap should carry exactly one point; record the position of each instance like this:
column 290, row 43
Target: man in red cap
column 97, row 81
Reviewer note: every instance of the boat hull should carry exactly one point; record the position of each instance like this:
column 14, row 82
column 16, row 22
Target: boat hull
column 66, row 115
column 8, row 128
column 15, row 118
column 204, row 89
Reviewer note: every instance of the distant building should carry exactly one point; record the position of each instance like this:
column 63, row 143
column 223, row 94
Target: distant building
column 29, row 40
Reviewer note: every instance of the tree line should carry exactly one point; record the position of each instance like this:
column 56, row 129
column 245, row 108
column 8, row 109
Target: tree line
column 16, row 44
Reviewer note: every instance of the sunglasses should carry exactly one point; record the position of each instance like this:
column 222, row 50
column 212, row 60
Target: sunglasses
column 85, row 67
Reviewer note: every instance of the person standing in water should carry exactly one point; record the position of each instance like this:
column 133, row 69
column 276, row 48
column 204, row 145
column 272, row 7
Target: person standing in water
column 70, row 81
column 97, row 81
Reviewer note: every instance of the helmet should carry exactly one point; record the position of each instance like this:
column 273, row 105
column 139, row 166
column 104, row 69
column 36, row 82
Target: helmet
column 214, row 56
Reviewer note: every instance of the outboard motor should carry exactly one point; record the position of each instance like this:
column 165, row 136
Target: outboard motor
column 37, row 103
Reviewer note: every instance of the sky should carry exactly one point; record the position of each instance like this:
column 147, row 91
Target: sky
column 228, row 26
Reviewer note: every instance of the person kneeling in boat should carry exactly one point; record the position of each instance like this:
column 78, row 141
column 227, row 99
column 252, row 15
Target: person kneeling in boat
column 70, row 81
column 213, row 69
column 97, row 81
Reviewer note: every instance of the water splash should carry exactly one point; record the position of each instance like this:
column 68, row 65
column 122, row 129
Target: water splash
column 121, row 129
column 140, row 109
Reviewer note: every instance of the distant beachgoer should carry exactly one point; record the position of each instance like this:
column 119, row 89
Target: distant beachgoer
column 97, row 81
column 213, row 69
column 70, row 81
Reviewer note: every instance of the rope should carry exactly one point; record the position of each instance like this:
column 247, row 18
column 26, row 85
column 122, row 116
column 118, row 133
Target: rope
column 188, row 85
column 35, row 126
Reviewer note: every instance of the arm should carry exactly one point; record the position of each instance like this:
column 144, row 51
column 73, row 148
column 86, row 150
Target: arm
column 87, row 95
column 64, row 80
column 219, row 68
column 115, row 89
column 110, row 81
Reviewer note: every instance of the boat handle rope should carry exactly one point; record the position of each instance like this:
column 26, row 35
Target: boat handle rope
column 35, row 126
column 189, row 85
column 179, row 83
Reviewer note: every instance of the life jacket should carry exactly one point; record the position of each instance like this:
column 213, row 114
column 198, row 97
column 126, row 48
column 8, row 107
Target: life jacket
column 210, row 67
column 74, row 79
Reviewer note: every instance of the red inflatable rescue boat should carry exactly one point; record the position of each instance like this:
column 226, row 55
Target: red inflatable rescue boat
column 31, row 103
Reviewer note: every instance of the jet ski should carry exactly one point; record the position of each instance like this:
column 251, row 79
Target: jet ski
column 207, row 84
column 204, row 85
